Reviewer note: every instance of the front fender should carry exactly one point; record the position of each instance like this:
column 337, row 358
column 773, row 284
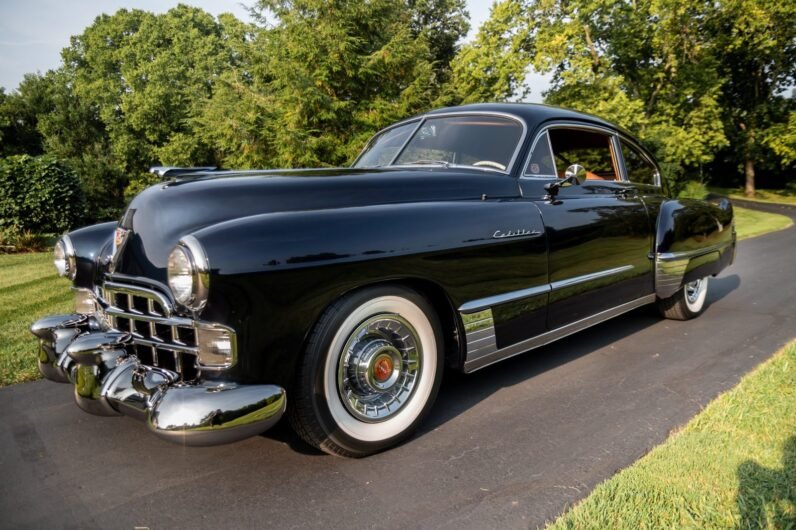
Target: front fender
column 273, row 275
column 89, row 243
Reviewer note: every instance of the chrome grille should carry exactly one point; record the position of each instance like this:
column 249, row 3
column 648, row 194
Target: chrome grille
column 159, row 338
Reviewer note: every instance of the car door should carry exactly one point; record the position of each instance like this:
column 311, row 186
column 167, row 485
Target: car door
column 598, row 232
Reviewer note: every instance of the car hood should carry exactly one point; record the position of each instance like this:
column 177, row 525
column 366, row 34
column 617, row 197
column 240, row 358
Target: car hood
column 162, row 214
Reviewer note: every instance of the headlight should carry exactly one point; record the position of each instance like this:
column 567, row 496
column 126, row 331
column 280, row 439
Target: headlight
column 64, row 258
column 189, row 274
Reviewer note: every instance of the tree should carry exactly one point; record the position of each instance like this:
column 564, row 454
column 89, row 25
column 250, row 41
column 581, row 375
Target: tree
column 332, row 72
column 127, row 94
column 19, row 116
column 639, row 64
column 755, row 41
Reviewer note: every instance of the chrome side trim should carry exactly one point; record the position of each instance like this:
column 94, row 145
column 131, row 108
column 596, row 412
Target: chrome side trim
column 479, row 330
column 485, row 303
column 575, row 280
column 688, row 254
column 479, row 362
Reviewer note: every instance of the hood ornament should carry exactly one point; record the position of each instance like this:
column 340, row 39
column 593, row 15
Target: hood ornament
column 119, row 241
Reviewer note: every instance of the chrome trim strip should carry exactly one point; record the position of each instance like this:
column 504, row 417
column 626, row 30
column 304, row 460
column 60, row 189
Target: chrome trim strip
column 479, row 330
column 201, row 272
column 575, row 280
column 670, row 267
column 563, row 125
column 482, row 361
column 687, row 254
column 485, row 303
column 530, row 154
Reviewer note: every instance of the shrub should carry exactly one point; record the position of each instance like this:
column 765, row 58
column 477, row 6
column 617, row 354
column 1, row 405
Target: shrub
column 38, row 194
column 693, row 190
column 13, row 241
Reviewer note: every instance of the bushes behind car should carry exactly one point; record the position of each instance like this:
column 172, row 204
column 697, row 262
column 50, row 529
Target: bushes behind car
column 38, row 195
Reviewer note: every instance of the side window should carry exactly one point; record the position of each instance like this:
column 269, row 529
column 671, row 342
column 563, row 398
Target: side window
column 541, row 163
column 639, row 169
column 591, row 149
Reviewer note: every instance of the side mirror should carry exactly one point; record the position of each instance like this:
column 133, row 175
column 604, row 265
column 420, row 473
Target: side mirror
column 577, row 171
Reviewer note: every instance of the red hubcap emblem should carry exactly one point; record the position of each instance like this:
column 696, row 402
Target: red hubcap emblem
column 382, row 370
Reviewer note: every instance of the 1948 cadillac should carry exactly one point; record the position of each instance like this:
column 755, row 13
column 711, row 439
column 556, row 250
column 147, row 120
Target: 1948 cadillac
column 457, row 239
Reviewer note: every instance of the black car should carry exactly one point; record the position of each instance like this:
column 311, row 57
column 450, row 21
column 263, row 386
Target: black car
column 458, row 238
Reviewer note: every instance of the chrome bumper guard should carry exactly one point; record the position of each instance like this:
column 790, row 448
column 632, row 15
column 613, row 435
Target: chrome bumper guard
column 109, row 380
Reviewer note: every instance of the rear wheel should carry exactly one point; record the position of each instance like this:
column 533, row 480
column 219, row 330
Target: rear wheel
column 370, row 372
column 687, row 303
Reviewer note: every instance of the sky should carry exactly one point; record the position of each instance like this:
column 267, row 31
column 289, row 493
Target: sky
column 33, row 32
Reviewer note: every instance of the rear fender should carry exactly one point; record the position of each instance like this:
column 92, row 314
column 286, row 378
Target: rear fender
column 693, row 239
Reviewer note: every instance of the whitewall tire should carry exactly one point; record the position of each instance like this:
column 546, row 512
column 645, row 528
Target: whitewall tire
column 370, row 373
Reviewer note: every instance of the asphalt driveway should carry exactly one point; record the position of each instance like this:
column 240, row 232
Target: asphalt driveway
column 510, row 446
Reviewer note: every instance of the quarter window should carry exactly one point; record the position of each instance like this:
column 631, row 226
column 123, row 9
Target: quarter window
column 639, row 168
column 590, row 149
column 541, row 163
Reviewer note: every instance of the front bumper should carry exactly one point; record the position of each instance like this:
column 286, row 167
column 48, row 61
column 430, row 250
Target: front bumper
column 109, row 380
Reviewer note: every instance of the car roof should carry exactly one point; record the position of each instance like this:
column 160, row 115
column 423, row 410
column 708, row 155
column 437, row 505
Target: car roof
column 533, row 114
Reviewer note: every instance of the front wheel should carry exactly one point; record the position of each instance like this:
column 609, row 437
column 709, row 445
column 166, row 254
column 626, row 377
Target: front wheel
column 687, row 303
column 370, row 372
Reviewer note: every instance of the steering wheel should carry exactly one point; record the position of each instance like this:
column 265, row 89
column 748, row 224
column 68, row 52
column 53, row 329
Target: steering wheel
column 490, row 163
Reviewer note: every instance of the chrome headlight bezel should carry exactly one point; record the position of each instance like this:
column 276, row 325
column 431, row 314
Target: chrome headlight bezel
column 64, row 258
column 199, row 271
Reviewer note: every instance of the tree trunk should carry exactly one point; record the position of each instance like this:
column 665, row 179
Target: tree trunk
column 749, row 170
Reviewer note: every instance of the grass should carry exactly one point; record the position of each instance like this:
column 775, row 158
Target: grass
column 29, row 289
column 732, row 466
column 785, row 196
column 751, row 223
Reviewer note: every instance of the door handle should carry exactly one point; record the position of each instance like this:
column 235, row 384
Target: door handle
column 627, row 193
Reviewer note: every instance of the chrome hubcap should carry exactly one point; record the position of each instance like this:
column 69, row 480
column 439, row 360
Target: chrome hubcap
column 379, row 367
column 693, row 290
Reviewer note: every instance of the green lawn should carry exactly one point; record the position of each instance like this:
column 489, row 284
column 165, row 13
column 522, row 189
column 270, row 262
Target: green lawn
column 732, row 466
column 751, row 223
column 29, row 289
column 786, row 196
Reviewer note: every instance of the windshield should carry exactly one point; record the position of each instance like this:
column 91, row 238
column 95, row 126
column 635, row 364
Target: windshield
column 482, row 141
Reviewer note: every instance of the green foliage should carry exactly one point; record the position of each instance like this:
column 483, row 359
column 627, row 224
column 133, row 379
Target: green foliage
column 19, row 116
column 686, row 77
column 693, row 190
column 38, row 194
column 781, row 139
column 13, row 240
column 311, row 80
